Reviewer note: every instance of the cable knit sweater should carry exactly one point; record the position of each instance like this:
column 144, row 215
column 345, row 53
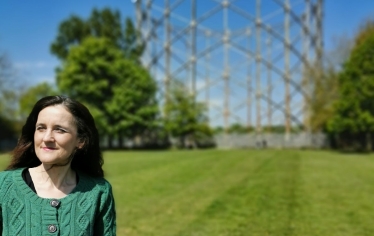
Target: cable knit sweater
column 87, row 210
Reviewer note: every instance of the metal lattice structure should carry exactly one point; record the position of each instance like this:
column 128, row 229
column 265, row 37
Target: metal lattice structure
column 244, row 58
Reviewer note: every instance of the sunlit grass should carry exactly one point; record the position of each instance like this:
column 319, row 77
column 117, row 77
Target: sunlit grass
column 241, row 192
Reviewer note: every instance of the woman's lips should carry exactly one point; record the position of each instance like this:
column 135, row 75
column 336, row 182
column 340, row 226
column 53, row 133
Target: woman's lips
column 49, row 148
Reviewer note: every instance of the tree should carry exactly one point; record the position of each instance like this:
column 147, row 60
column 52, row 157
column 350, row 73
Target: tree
column 353, row 120
column 5, row 70
column 119, row 92
column 8, row 88
column 100, row 59
column 185, row 118
column 238, row 128
column 8, row 101
column 132, row 45
column 101, row 24
column 322, row 92
column 29, row 97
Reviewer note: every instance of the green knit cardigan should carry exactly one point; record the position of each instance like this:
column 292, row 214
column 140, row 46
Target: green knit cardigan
column 88, row 210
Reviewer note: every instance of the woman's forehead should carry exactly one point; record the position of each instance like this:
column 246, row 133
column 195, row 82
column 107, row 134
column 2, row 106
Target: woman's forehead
column 57, row 113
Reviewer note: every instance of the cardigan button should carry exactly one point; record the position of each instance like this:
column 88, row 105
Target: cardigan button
column 55, row 203
column 52, row 228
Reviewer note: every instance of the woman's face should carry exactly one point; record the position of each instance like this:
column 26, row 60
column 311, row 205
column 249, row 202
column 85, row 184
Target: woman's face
column 55, row 136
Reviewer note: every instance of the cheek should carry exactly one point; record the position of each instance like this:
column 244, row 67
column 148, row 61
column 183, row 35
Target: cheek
column 69, row 143
column 37, row 137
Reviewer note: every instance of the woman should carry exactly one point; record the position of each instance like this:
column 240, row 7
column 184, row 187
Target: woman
column 54, row 184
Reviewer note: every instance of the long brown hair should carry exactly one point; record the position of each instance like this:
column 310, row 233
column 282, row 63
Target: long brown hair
column 88, row 159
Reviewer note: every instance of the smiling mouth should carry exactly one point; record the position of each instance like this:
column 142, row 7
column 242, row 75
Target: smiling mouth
column 49, row 148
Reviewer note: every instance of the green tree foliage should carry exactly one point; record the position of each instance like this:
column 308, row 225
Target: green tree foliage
column 29, row 97
column 8, row 129
column 185, row 119
column 353, row 120
column 8, row 100
column 5, row 70
column 16, row 100
column 119, row 92
column 322, row 91
column 101, row 66
column 103, row 23
column 218, row 130
column 71, row 32
column 238, row 128
column 132, row 45
column 8, row 88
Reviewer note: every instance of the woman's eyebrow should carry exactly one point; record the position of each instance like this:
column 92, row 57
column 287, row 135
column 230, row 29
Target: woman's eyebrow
column 61, row 126
column 54, row 126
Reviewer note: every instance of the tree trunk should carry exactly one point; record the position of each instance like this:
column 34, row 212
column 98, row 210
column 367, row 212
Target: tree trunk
column 368, row 142
column 192, row 141
column 120, row 141
column 110, row 141
column 182, row 141
column 138, row 141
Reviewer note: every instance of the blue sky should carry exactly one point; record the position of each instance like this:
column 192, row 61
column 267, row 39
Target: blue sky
column 27, row 28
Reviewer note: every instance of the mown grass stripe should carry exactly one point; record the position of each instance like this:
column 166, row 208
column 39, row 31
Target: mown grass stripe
column 339, row 193
column 232, row 208
column 200, row 178
column 241, row 192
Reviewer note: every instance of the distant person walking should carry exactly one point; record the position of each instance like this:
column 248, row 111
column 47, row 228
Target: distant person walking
column 54, row 184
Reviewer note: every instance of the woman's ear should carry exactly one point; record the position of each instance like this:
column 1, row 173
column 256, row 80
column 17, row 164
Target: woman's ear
column 80, row 144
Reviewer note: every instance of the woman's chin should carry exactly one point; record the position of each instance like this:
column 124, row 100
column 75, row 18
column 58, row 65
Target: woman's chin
column 52, row 160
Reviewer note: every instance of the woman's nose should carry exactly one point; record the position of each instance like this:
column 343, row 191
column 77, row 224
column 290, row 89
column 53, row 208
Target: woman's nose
column 48, row 136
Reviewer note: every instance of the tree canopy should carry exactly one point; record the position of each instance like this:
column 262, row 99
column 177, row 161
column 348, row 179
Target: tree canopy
column 10, row 88
column 185, row 118
column 119, row 92
column 100, row 66
column 321, row 85
column 29, row 97
column 104, row 23
column 354, row 110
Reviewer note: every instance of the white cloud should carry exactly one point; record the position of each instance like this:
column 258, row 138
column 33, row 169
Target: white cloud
column 41, row 64
column 46, row 79
column 200, row 84
column 33, row 65
column 215, row 103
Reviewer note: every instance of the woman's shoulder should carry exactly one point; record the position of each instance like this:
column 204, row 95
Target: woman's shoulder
column 8, row 178
column 102, row 183
column 98, row 183
column 7, row 174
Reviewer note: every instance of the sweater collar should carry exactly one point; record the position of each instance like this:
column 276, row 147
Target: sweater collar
column 27, row 192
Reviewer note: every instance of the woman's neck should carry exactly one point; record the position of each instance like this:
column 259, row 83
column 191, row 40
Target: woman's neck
column 53, row 181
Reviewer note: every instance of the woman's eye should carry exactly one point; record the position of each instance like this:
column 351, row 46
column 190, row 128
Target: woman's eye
column 60, row 131
column 40, row 128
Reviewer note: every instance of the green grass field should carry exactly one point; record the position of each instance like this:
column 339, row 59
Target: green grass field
column 241, row 192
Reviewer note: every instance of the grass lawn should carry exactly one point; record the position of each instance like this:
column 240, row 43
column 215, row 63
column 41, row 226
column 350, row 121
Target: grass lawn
column 241, row 192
